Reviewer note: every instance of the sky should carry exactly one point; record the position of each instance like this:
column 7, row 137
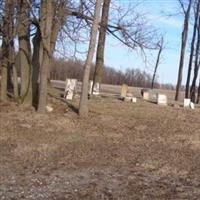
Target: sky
column 157, row 12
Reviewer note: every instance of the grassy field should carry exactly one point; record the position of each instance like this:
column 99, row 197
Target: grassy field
column 123, row 150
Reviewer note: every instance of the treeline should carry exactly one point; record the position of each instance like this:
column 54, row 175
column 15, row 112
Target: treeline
column 61, row 69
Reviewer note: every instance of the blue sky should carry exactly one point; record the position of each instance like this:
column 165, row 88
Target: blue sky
column 118, row 56
column 157, row 13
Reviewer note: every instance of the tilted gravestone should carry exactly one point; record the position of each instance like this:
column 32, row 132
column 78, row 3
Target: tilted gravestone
column 124, row 90
column 70, row 88
column 188, row 104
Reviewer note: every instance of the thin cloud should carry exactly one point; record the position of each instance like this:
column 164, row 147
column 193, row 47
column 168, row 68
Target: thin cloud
column 173, row 22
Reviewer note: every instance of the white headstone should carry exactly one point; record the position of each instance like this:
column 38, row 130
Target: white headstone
column 70, row 88
column 162, row 99
column 96, row 88
column 134, row 99
column 187, row 103
column 192, row 105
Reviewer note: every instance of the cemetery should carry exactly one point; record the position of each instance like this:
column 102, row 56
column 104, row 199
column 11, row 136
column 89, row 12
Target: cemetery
column 130, row 133
column 99, row 100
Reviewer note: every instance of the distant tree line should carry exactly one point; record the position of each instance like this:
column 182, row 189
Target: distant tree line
column 61, row 69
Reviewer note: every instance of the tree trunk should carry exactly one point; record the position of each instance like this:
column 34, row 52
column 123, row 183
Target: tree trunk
column 4, row 70
column 46, row 28
column 187, row 89
column 25, row 53
column 183, row 46
column 36, row 63
column 59, row 15
column 11, row 60
column 5, row 52
column 198, row 96
column 196, row 65
column 6, row 49
column 83, row 109
column 157, row 61
column 98, row 74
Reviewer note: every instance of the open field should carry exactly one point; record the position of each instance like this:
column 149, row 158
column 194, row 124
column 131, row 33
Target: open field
column 116, row 89
column 122, row 151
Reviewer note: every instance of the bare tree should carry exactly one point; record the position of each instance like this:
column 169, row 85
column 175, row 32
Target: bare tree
column 5, row 51
column 46, row 28
column 24, row 52
column 101, row 43
column 58, row 17
column 183, row 45
column 83, row 109
column 197, row 10
column 161, row 47
column 196, row 65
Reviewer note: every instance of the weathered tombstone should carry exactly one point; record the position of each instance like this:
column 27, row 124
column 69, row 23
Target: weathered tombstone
column 187, row 103
column 145, row 95
column 70, row 88
column 124, row 90
column 192, row 105
column 149, row 94
column 96, row 88
column 162, row 99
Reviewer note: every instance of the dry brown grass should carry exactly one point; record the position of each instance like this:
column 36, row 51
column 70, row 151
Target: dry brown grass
column 121, row 151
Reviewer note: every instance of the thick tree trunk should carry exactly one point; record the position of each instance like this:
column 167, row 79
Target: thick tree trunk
column 187, row 89
column 25, row 53
column 196, row 65
column 6, row 49
column 11, row 60
column 4, row 70
column 183, row 47
column 83, row 109
column 157, row 61
column 46, row 28
column 98, row 74
column 36, row 63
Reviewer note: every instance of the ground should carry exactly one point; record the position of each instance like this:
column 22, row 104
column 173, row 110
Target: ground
column 123, row 150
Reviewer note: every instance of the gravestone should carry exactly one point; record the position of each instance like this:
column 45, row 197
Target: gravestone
column 146, row 95
column 124, row 90
column 96, row 89
column 162, row 99
column 149, row 94
column 70, row 88
column 134, row 99
column 192, row 105
column 186, row 103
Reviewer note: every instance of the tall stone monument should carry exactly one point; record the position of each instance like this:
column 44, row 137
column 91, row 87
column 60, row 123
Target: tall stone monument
column 70, row 88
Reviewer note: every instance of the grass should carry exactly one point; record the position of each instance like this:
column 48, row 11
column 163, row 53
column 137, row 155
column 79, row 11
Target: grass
column 121, row 151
